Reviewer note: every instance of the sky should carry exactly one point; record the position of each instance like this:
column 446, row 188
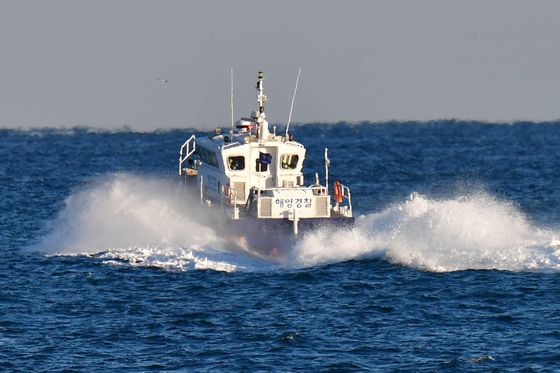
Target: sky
column 95, row 63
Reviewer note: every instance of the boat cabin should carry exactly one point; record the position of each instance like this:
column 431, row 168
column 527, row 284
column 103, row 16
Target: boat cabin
column 257, row 173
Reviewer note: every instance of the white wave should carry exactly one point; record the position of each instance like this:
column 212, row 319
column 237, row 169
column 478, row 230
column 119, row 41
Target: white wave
column 143, row 221
column 476, row 232
column 146, row 221
column 168, row 258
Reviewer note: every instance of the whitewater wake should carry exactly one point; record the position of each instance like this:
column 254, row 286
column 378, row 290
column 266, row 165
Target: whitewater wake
column 140, row 220
column 469, row 232
column 145, row 221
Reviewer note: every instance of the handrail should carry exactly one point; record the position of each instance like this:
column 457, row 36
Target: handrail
column 345, row 190
column 231, row 144
column 187, row 145
column 311, row 187
column 346, row 194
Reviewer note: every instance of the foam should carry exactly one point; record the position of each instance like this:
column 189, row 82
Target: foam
column 475, row 232
column 146, row 221
column 166, row 258
column 143, row 221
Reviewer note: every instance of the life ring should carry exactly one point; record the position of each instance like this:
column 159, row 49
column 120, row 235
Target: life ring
column 338, row 191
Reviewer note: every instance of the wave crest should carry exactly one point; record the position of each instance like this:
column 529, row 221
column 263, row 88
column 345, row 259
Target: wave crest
column 475, row 232
column 151, row 222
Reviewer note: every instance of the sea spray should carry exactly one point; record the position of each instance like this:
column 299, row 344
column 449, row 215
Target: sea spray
column 148, row 221
column 124, row 210
column 143, row 221
column 468, row 232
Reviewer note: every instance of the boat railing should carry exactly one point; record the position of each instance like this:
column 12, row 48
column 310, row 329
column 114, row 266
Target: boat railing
column 292, row 207
column 268, row 192
column 345, row 207
column 231, row 144
column 262, row 199
column 187, row 149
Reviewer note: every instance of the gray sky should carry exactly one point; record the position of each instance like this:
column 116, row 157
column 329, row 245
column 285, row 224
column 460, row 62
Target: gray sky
column 94, row 63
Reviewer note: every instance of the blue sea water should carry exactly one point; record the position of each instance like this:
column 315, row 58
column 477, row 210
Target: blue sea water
column 454, row 263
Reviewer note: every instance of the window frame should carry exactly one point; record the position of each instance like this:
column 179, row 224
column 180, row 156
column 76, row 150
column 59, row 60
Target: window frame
column 289, row 165
column 236, row 156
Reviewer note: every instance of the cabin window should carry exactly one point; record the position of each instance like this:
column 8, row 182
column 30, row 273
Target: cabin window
column 206, row 156
column 200, row 153
column 236, row 163
column 212, row 159
column 289, row 161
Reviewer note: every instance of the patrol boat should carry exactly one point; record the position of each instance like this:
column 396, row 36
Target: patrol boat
column 253, row 179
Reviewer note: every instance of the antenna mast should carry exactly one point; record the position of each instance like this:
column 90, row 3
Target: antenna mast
column 293, row 99
column 262, row 124
column 231, row 94
column 261, row 98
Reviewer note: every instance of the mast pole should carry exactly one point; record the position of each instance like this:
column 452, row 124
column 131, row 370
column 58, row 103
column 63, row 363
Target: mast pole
column 231, row 94
column 327, row 164
column 261, row 98
column 262, row 124
column 293, row 99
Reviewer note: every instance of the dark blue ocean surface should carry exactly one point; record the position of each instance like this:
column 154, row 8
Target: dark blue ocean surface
column 454, row 264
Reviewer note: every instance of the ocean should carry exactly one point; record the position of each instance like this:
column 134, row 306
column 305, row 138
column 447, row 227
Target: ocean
column 453, row 265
